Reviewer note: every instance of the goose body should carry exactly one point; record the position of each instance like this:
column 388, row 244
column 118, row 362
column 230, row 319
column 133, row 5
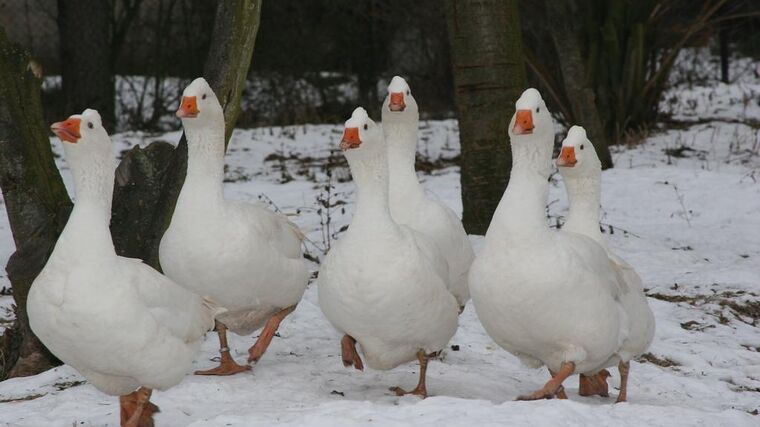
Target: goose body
column 551, row 298
column 581, row 172
column 409, row 204
column 394, row 301
column 145, row 332
column 384, row 285
column 120, row 323
column 243, row 256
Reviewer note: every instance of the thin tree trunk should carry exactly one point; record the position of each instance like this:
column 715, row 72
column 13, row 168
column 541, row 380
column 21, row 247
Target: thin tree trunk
column 229, row 58
column 151, row 178
column 365, row 54
column 86, row 58
column 579, row 93
column 725, row 53
column 35, row 199
column 489, row 76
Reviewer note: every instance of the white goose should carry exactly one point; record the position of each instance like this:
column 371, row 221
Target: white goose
column 124, row 326
column 243, row 256
column 383, row 284
column 409, row 204
column 581, row 171
column 548, row 297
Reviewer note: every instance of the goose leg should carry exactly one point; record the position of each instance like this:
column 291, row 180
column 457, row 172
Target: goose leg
column 261, row 345
column 420, row 390
column 590, row 385
column 561, row 391
column 349, row 354
column 553, row 386
column 227, row 365
column 623, row 367
column 136, row 410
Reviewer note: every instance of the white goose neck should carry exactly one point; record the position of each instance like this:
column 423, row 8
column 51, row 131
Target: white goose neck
column 370, row 173
column 401, row 137
column 524, row 202
column 93, row 170
column 87, row 234
column 205, row 162
column 584, row 194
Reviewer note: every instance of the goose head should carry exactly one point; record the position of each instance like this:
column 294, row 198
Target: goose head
column 532, row 121
column 89, row 154
column 82, row 133
column 578, row 157
column 200, row 106
column 362, row 137
column 399, row 104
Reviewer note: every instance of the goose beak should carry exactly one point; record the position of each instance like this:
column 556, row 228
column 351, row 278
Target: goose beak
column 67, row 130
column 396, row 102
column 188, row 108
column 523, row 122
column 350, row 139
column 567, row 157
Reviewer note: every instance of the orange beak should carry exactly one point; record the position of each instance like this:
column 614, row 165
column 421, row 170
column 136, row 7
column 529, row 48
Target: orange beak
column 523, row 122
column 188, row 108
column 397, row 102
column 67, row 130
column 350, row 139
column 567, row 157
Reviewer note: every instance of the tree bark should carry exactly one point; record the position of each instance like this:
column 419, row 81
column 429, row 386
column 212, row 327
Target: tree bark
column 489, row 76
column 86, row 58
column 235, row 28
column 35, row 199
column 579, row 92
column 148, row 181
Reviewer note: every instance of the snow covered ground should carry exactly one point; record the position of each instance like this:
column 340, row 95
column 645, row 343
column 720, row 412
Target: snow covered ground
column 683, row 207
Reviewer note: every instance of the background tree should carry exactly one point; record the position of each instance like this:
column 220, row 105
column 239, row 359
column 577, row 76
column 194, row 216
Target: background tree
column 87, row 57
column 146, row 187
column 630, row 48
column 489, row 76
column 35, row 199
column 575, row 78
column 151, row 178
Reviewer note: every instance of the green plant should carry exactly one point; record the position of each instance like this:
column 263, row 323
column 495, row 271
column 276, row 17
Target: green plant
column 630, row 49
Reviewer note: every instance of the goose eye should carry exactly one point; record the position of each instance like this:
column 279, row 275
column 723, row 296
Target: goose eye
column 581, row 147
column 365, row 126
column 204, row 96
column 407, row 93
column 538, row 109
column 90, row 125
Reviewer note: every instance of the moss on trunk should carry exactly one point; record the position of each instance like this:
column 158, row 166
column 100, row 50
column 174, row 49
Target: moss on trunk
column 489, row 76
column 35, row 199
column 147, row 185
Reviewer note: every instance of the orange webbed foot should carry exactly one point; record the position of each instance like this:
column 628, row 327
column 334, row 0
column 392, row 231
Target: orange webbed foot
column 227, row 366
column 594, row 385
column 349, row 354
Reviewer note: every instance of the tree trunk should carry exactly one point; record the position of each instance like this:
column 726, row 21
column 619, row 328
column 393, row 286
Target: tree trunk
column 147, row 183
column 489, row 76
column 35, row 199
column 229, row 58
column 364, row 52
column 725, row 53
column 579, row 93
column 151, row 178
column 86, row 58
